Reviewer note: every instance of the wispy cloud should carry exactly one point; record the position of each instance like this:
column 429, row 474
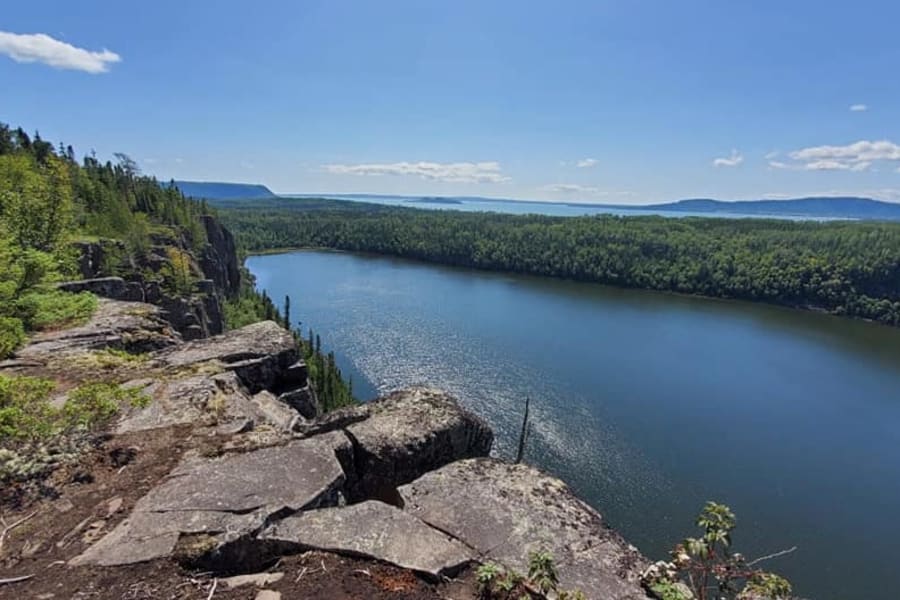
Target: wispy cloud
column 858, row 108
column 733, row 160
column 586, row 163
column 858, row 156
column 772, row 155
column 459, row 172
column 40, row 47
column 570, row 188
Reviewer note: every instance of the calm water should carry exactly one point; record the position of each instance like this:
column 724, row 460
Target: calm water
column 647, row 404
column 553, row 209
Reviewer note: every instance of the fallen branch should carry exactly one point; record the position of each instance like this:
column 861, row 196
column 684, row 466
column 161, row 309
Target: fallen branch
column 212, row 589
column 773, row 555
column 8, row 528
column 15, row 579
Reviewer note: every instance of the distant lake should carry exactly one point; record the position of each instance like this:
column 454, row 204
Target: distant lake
column 648, row 404
column 521, row 207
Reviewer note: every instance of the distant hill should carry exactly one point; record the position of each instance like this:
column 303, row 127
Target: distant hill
column 849, row 207
column 216, row 190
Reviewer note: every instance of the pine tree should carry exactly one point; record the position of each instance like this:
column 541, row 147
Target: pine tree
column 287, row 312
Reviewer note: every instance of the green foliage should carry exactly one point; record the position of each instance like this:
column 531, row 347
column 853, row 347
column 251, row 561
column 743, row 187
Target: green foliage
column 704, row 568
column 669, row 590
column 844, row 268
column 542, row 571
column 26, row 414
column 494, row 581
column 12, row 335
column 53, row 308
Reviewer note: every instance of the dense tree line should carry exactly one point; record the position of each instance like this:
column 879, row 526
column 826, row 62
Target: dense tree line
column 48, row 200
column 841, row 267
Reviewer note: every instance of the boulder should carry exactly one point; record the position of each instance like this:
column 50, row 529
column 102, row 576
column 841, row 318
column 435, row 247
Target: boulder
column 207, row 506
column 408, row 433
column 259, row 354
column 374, row 530
column 505, row 511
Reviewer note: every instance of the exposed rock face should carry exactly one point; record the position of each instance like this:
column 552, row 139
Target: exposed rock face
column 261, row 354
column 505, row 511
column 196, row 315
column 266, row 474
column 225, row 499
column 219, row 259
column 129, row 326
column 393, row 447
column 115, row 288
column 376, row 530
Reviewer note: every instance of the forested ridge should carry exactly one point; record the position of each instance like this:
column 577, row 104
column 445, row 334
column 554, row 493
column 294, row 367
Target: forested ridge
column 840, row 267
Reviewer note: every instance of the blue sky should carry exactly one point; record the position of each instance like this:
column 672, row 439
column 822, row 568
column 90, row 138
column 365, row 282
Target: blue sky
column 600, row 101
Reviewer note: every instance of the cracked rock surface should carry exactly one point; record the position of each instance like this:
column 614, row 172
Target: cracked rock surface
column 504, row 511
column 375, row 530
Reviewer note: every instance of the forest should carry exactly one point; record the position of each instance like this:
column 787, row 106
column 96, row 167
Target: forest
column 839, row 267
column 50, row 201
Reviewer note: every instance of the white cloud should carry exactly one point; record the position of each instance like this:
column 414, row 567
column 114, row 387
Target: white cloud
column 586, row 163
column 40, row 47
column 733, row 160
column 460, row 172
column 858, row 108
column 858, row 156
column 570, row 188
column 771, row 155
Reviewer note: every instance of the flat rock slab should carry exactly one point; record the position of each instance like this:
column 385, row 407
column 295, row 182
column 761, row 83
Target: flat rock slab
column 218, row 400
column 374, row 530
column 131, row 326
column 226, row 498
column 408, row 433
column 506, row 511
column 260, row 354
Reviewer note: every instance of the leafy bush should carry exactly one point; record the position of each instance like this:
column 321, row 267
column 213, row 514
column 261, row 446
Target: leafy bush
column 26, row 413
column 54, row 308
column 12, row 335
column 705, row 568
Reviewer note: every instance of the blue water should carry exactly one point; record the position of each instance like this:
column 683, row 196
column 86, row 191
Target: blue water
column 553, row 209
column 648, row 404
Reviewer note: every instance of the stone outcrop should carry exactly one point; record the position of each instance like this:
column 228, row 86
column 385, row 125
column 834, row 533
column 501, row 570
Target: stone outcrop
column 129, row 326
column 219, row 260
column 504, row 511
column 114, row 288
column 393, row 447
column 374, row 530
column 206, row 504
column 263, row 355
column 403, row 479
column 195, row 315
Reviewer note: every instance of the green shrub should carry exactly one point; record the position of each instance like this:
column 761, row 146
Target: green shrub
column 27, row 415
column 12, row 335
column 95, row 403
column 705, row 567
column 25, row 412
column 54, row 308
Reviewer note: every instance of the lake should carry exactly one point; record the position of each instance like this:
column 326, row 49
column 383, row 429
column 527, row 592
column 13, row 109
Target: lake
column 647, row 404
column 552, row 209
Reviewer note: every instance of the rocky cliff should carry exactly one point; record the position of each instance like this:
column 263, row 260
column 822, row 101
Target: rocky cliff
column 229, row 479
column 212, row 273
